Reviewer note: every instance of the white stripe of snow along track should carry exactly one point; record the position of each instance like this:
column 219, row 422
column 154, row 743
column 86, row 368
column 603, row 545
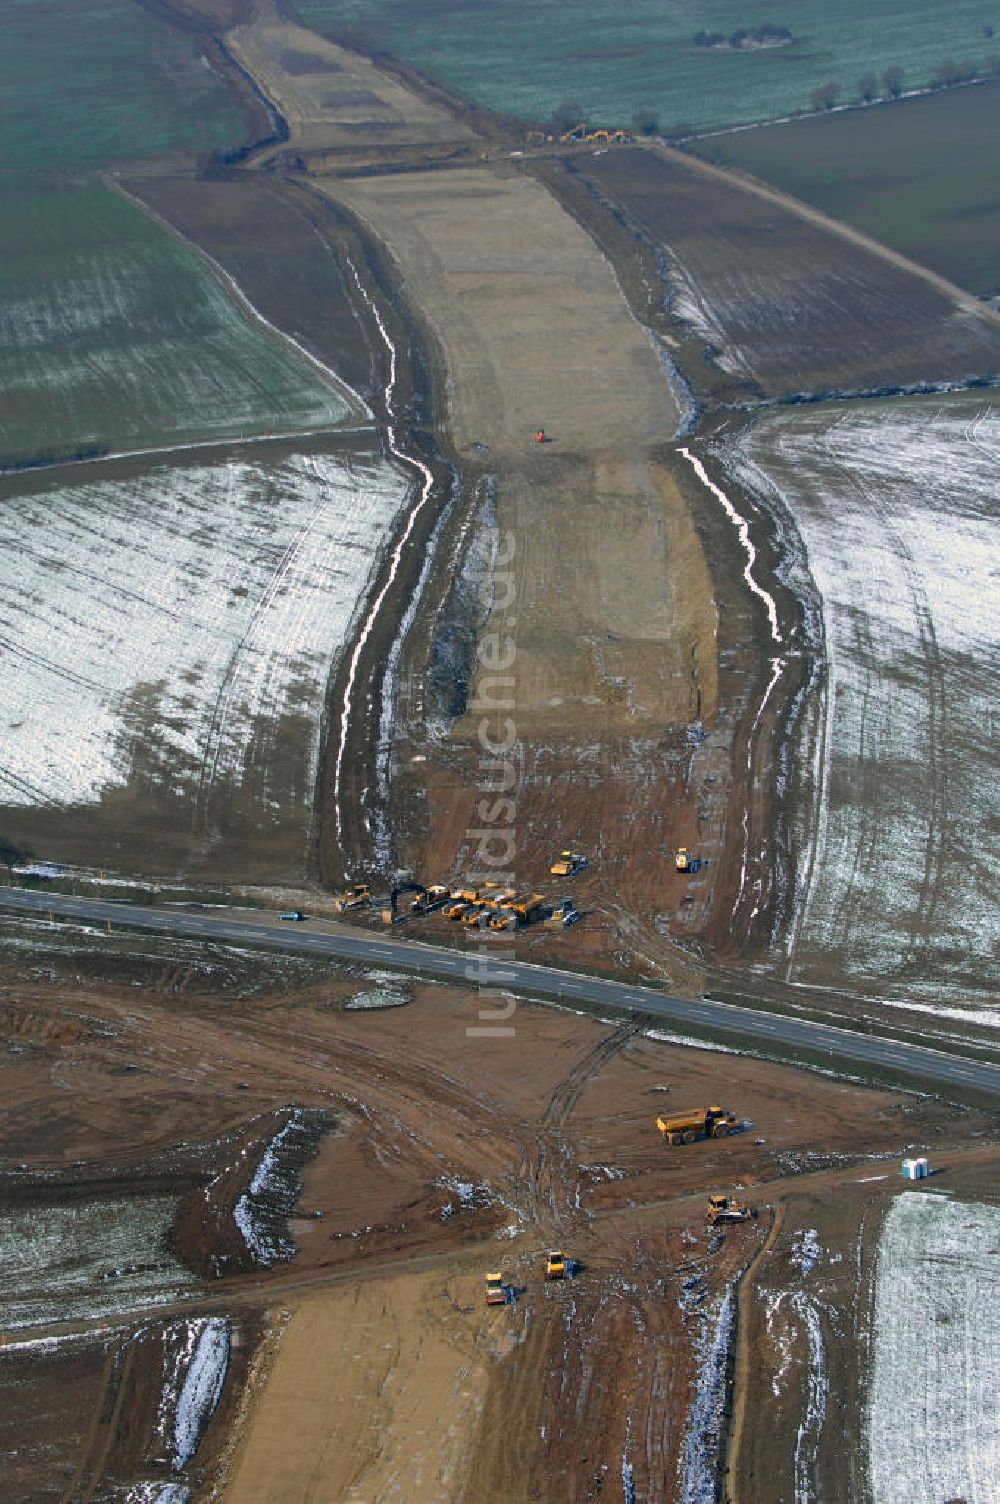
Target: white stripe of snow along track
column 777, row 668
column 427, row 481
column 743, row 528
column 205, row 1376
column 222, row 442
column 777, row 664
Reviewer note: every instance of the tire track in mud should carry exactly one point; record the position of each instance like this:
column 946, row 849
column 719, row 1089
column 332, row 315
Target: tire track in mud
column 544, row 1166
column 116, row 1389
column 730, row 1449
column 848, row 915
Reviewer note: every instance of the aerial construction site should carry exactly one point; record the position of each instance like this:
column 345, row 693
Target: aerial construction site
column 498, row 992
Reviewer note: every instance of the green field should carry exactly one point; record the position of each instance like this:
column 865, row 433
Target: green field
column 525, row 57
column 82, row 85
column 920, row 176
column 112, row 335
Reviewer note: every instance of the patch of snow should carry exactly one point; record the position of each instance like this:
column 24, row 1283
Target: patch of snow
column 467, row 1193
column 664, row 1036
column 807, row 1251
column 202, row 1387
column 261, row 1211
column 168, row 616
column 988, row 1017
column 934, row 1390
column 700, row 1452
column 157, row 1493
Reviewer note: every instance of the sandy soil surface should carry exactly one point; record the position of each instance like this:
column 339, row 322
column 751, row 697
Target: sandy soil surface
column 375, row 1394
column 331, row 97
column 534, row 325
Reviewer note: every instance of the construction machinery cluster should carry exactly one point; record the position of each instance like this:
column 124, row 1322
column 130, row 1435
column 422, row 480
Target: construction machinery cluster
column 489, row 906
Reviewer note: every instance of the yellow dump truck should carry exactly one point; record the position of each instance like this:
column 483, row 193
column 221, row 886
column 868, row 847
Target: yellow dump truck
column 496, row 1295
column 696, row 1122
column 529, row 909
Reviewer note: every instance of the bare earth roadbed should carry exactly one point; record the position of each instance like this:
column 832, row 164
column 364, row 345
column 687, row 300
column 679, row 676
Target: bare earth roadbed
column 333, row 98
column 614, row 629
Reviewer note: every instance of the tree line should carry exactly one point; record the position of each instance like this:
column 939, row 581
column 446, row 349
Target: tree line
column 891, row 83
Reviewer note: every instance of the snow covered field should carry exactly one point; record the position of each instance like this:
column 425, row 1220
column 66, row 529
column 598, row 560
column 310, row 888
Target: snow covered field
column 178, row 622
column 890, row 514
column 934, row 1395
column 82, row 1259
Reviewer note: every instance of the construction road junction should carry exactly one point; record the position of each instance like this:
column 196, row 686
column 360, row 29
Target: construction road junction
column 824, row 1045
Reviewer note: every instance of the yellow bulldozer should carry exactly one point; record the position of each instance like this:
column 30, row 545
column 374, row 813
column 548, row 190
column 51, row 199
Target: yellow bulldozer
column 355, row 897
column 555, row 1264
column 568, row 864
column 727, row 1209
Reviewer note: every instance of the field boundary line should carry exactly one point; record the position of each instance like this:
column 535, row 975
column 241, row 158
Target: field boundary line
column 232, row 287
column 734, row 178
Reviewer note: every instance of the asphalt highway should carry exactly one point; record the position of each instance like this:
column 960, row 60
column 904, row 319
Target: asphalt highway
column 478, row 970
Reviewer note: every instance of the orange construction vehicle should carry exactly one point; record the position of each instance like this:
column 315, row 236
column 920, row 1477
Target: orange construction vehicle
column 569, row 863
column 696, row 1122
column 540, row 436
